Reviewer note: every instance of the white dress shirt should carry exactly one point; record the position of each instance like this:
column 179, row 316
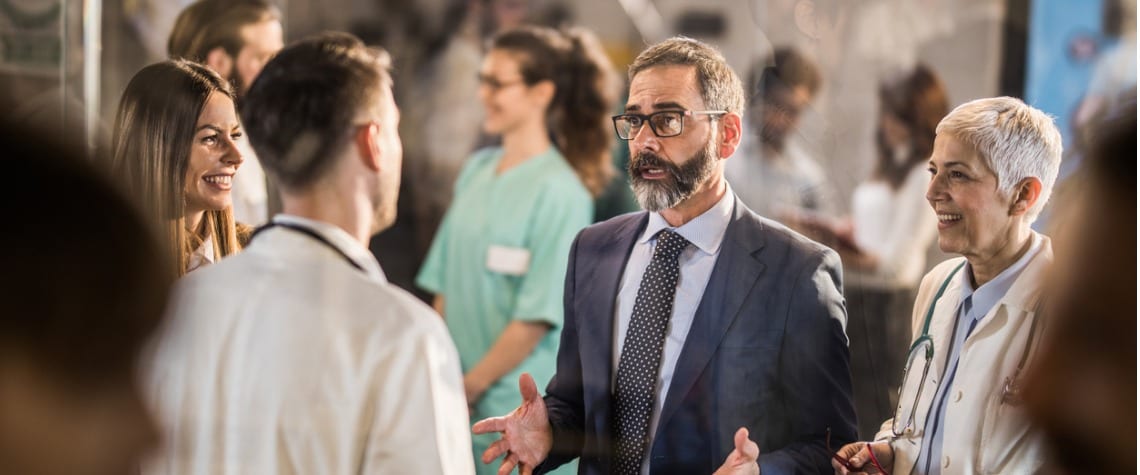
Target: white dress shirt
column 705, row 234
column 202, row 256
column 896, row 225
column 286, row 359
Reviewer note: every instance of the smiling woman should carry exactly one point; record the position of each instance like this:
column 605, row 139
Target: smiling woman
column 175, row 150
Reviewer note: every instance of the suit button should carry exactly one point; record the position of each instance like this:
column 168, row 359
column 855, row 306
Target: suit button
column 958, row 396
column 946, row 462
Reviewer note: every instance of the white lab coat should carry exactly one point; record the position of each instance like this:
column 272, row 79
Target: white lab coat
column 983, row 434
column 285, row 359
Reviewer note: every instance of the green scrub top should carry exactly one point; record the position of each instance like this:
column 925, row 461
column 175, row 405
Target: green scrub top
column 500, row 255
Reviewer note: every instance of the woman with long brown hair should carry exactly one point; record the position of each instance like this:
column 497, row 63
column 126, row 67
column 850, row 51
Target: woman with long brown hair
column 498, row 261
column 884, row 245
column 175, row 149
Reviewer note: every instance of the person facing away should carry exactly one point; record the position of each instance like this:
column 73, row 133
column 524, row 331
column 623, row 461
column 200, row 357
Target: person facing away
column 696, row 333
column 976, row 318
column 84, row 287
column 498, row 262
column 300, row 357
column 235, row 38
column 175, row 148
column 775, row 175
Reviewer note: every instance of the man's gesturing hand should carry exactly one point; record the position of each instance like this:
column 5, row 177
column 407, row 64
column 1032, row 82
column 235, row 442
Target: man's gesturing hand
column 526, row 436
column 742, row 459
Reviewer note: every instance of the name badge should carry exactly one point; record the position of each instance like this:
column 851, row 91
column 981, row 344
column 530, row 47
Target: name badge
column 508, row 260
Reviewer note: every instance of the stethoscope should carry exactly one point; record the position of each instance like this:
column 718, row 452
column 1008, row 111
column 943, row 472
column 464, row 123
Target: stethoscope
column 1011, row 389
column 310, row 233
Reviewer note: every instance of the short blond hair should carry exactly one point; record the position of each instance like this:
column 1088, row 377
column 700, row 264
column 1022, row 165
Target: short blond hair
column 1015, row 140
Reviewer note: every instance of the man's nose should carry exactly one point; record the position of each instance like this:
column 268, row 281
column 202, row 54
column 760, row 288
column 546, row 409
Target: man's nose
column 643, row 138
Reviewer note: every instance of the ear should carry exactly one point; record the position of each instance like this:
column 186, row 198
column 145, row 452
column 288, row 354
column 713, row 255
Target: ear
column 543, row 91
column 368, row 145
column 220, row 61
column 806, row 19
column 730, row 133
column 1025, row 195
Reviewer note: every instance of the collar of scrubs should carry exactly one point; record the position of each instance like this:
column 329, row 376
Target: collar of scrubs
column 989, row 294
column 340, row 239
column 706, row 231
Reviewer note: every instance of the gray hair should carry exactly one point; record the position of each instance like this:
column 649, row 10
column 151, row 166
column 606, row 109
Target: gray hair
column 719, row 85
column 1015, row 140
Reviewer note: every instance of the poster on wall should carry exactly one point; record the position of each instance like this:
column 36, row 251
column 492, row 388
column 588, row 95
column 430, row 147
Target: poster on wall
column 30, row 37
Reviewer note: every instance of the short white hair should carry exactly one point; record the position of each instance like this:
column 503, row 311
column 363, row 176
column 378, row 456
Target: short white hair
column 1015, row 140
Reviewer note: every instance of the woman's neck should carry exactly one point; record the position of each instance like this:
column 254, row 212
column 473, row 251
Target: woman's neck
column 519, row 145
column 989, row 268
column 193, row 221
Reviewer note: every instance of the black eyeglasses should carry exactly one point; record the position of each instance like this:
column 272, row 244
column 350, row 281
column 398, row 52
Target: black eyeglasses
column 496, row 84
column 663, row 123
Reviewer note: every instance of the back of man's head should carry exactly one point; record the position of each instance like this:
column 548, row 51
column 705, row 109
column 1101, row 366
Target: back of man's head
column 785, row 70
column 302, row 109
column 209, row 24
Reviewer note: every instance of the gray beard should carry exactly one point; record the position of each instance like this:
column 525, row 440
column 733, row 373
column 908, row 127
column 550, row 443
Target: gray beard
column 656, row 196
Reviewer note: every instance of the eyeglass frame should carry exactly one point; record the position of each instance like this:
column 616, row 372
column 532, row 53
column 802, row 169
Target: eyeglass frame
column 647, row 118
column 495, row 84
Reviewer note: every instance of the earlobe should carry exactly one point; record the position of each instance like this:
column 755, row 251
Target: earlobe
column 220, row 61
column 1027, row 194
column 368, row 146
column 545, row 90
column 730, row 134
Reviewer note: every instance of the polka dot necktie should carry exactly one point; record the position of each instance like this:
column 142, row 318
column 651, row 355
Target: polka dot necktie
column 635, row 391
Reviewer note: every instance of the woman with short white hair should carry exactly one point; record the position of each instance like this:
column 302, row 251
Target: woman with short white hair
column 975, row 320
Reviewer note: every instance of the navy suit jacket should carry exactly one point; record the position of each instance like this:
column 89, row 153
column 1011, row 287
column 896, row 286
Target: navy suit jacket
column 766, row 351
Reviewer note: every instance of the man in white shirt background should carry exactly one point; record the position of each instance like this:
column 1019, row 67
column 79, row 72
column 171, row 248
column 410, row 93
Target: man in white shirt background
column 297, row 356
column 235, row 38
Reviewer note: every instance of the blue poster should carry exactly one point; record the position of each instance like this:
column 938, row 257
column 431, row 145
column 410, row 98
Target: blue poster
column 1065, row 38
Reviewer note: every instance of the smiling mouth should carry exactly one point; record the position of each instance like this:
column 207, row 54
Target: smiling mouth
column 220, row 181
column 948, row 218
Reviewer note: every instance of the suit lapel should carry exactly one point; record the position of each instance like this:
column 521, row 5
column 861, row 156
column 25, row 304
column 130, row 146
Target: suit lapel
column 600, row 279
column 736, row 270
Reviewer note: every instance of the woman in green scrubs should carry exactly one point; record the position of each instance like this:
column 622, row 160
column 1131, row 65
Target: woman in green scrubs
column 498, row 261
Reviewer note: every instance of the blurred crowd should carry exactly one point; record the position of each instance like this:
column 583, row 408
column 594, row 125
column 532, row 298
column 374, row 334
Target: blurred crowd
column 470, row 244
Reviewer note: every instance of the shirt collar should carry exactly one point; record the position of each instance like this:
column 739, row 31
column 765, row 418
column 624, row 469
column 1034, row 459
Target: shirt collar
column 202, row 256
column 706, row 231
column 341, row 239
column 988, row 295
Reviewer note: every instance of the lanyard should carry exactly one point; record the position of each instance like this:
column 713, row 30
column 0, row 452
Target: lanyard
column 310, row 233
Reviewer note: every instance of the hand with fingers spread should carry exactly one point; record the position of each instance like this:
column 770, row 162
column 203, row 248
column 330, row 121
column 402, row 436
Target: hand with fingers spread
column 526, row 436
column 742, row 459
column 864, row 458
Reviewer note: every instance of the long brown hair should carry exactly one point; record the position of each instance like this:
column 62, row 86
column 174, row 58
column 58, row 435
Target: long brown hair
column 918, row 99
column 154, row 131
column 584, row 82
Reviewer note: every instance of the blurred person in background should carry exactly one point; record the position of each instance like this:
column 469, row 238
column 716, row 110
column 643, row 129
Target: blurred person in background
column 498, row 262
column 961, row 406
column 1082, row 390
column 773, row 175
column 235, row 38
column 883, row 244
column 298, row 356
column 84, row 285
column 175, row 147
